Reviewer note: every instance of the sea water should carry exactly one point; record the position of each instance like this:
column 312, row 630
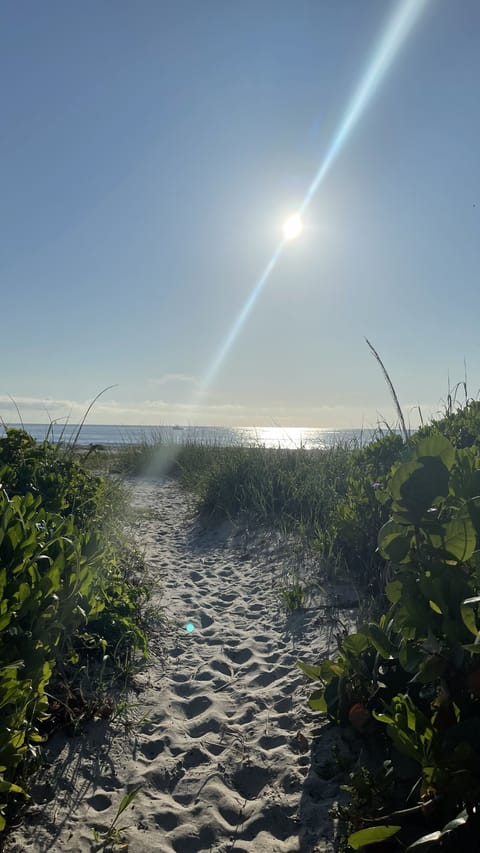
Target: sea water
column 273, row 436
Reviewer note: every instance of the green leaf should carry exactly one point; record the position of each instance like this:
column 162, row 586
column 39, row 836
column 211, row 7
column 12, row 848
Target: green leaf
column 393, row 591
column 436, row 445
column 364, row 837
column 380, row 641
column 468, row 619
column 127, row 800
column 312, row 672
column 356, row 643
column 394, row 541
column 317, row 701
column 456, row 538
column 474, row 648
column 417, row 485
column 435, row 607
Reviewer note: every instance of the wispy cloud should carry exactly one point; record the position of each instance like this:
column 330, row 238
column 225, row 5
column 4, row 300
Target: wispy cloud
column 222, row 412
column 169, row 378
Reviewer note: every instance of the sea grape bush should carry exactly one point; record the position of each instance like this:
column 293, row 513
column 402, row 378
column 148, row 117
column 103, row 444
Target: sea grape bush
column 415, row 673
column 50, row 471
column 64, row 593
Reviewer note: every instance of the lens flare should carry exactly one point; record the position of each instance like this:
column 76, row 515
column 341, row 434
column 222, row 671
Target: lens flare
column 189, row 627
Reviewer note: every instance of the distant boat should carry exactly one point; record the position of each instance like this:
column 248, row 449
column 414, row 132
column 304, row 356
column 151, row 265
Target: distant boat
column 176, row 426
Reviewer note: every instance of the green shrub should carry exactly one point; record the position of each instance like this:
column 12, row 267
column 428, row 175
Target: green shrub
column 51, row 471
column 65, row 592
column 416, row 670
column 462, row 427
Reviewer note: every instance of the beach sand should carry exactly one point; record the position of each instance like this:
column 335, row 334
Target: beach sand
column 218, row 735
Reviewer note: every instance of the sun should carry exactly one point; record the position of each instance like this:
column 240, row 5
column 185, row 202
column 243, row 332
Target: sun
column 292, row 227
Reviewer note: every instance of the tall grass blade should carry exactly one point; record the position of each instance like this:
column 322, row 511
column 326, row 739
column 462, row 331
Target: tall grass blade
column 389, row 382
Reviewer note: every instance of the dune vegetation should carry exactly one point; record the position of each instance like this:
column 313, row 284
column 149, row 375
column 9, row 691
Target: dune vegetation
column 70, row 602
column 399, row 517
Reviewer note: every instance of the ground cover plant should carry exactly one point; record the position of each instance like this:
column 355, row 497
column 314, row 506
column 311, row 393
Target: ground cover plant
column 67, row 602
column 410, row 680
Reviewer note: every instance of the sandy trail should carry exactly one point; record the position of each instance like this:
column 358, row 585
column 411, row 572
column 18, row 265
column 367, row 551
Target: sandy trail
column 227, row 755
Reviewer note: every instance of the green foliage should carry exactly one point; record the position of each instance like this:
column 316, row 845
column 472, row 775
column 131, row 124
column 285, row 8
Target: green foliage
column 361, row 509
column 51, row 471
column 416, row 671
column 461, row 427
column 65, row 595
column 293, row 594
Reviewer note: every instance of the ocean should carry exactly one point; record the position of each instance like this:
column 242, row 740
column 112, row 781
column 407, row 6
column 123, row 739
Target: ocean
column 308, row 438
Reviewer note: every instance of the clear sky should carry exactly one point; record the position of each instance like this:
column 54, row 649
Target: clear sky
column 150, row 151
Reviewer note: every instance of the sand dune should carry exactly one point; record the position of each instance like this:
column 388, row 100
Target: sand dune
column 224, row 749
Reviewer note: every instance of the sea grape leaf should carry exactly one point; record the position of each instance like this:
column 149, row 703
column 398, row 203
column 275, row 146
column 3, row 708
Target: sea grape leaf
column 394, row 541
column 364, row 837
column 317, row 701
column 380, row 641
column 456, row 538
column 312, row 672
column 468, row 619
column 436, row 445
column 393, row 591
column 417, row 485
column 356, row 643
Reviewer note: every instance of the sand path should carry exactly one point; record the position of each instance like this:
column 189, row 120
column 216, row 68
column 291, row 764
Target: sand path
column 218, row 735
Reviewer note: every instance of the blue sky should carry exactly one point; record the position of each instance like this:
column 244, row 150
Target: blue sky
column 150, row 152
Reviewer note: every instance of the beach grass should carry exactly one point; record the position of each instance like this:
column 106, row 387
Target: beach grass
column 327, row 497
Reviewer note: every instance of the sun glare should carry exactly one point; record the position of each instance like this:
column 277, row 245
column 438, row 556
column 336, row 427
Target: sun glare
column 292, row 227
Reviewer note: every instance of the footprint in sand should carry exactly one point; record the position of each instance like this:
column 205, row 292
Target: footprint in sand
column 184, row 689
column 196, row 577
column 210, row 726
column 166, row 820
column 272, row 820
column 100, row 802
column 195, row 757
column 283, row 705
column 269, row 742
column 228, row 597
column 196, row 707
column 221, row 666
column 238, row 655
column 205, row 620
column 249, row 781
column 264, row 679
column 152, row 749
column 193, row 841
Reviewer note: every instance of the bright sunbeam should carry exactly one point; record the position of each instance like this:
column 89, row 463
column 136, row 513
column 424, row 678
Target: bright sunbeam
column 395, row 34
column 233, row 333
column 292, row 227
column 397, row 30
